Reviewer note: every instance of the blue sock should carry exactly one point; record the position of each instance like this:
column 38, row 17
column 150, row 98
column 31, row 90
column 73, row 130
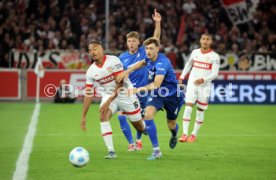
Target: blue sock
column 174, row 131
column 151, row 129
column 138, row 135
column 125, row 128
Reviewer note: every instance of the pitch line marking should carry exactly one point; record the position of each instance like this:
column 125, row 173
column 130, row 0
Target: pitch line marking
column 203, row 135
column 22, row 163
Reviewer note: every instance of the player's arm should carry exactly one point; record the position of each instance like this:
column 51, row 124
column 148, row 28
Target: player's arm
column 186, row 70
column 105, row 106
column 126, row 73
column 157, row 18
column 161, row 70
column 88, row 93
column 215, row 70
column 213, row 75
column 154, row 85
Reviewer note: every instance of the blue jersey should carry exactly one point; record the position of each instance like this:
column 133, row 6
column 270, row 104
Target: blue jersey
column 139, row 77
column 163, row 66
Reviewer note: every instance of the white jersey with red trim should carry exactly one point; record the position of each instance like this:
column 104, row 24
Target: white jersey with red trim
column 204, row 65
column 102, row 77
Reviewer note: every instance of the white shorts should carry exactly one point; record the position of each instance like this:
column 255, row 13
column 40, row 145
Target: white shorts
column 129, row 105
column 198, row 95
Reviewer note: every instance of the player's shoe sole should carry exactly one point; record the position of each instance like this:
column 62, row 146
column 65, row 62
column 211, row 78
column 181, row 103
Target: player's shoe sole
column 183, row 138
column 173, row 142
column 191, row 139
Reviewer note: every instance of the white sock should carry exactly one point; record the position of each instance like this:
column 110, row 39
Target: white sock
column 107, row 135
column 186, row 119
column 199, row 121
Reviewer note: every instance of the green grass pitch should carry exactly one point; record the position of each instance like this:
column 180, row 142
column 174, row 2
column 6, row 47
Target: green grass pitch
column 235, row 142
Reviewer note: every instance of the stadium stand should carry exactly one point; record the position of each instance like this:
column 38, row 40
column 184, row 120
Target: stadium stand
column 61, row 24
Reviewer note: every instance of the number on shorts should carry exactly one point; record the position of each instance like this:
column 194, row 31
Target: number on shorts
column 136, row 105
column 176, row 111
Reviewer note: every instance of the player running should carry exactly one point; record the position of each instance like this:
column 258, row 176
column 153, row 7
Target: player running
column 138, row 78
column 163, row 94
column 102, row 73
column 204, row 66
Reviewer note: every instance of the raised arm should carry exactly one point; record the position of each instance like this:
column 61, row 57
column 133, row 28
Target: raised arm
column 157, row 19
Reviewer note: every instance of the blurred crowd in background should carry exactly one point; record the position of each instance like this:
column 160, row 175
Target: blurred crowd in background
column 72, row 24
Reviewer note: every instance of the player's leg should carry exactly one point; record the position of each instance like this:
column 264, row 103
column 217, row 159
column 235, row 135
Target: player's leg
column 143, row 100
column 152, row 132
column 186, row 121
column 202, row 105
column 172, row 106
column 131, row 108
column 190, row 98
column 198, row 123
column 106, row 129
column 126, row 131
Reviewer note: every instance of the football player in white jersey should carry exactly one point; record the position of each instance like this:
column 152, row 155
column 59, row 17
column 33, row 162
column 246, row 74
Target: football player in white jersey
column 204, row 66
column 102, row 73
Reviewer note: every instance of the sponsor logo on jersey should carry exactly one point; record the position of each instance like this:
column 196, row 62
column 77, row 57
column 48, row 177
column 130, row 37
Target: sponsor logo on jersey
column 109, row 69
column 106, row 79
column 202, row 65
column 161, row 69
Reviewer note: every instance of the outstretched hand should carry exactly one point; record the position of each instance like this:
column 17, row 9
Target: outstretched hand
column 156, row 16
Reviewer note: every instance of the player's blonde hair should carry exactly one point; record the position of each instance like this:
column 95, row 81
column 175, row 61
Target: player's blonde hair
column 133, row 34
column 152, row 40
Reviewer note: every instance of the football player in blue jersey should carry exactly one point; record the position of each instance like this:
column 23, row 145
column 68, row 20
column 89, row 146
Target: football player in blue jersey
column 163, row 94
column 138, row 78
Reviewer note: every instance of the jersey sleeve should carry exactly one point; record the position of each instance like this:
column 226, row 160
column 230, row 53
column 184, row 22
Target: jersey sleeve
column 117, row 66
column 215, row 69
column 187, row 67
column 89, row 81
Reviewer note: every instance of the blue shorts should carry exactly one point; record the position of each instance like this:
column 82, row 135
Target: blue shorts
column 143, row 102
column 171, row 104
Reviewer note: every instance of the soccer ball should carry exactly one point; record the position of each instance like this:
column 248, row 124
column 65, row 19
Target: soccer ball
column 79, row 157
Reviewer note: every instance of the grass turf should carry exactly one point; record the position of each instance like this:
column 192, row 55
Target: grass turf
column 14, row 120
column 235, row 142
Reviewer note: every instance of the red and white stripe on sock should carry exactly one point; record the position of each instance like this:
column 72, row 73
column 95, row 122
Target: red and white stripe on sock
column 186, row 119
column 199, row 121
column 107, row 135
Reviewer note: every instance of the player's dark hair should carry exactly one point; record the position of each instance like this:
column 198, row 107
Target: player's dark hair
column 133, row 34
column 207, row 34
column 152, row 40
